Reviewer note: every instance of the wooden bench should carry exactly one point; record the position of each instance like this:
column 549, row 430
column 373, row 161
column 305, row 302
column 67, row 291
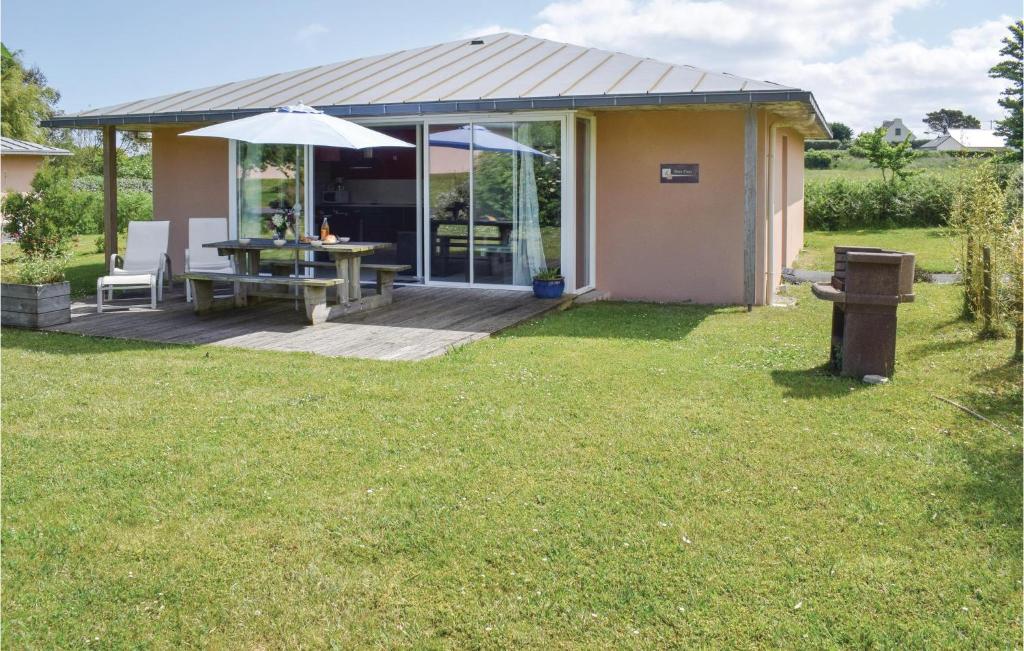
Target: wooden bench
column 386, row 276
column 314, row 291
column 385, row 272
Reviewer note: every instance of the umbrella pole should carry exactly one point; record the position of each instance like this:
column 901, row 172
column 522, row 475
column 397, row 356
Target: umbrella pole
column 296, row 226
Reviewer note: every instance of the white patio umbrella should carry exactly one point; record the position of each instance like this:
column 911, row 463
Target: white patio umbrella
column 483, row 140
column 299, row 125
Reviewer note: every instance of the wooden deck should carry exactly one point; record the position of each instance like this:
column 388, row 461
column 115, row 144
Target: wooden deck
column 422, row 322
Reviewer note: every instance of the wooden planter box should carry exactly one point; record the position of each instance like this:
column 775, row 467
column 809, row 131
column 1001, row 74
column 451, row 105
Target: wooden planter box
column 35, row 306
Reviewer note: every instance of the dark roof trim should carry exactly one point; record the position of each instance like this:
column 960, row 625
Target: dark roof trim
column 462, row 106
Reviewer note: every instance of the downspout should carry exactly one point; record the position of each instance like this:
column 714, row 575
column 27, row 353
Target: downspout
column 769, row 285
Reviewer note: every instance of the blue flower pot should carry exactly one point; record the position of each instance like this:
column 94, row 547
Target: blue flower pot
column 548, row 288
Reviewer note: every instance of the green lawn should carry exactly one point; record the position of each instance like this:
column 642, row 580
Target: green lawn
column 617, row 475
column 858, row 169
column 933, row 246
column 85, row 266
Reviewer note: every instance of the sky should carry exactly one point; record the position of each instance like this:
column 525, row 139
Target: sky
column 864, row 60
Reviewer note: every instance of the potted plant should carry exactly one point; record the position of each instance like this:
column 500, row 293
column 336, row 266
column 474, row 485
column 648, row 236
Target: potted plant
column 280, row 221
column 39, row 295
column 548, row 283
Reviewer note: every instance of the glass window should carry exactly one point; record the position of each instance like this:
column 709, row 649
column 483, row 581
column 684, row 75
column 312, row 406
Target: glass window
column 537, row 184
column 449, row 202
column 271, row 184
column 583, row 234
column 495, row 201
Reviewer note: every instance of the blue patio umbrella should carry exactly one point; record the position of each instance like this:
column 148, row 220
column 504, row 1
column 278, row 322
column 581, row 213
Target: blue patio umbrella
column 483, row 140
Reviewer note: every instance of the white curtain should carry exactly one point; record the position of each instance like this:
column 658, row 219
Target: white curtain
column 529, row 248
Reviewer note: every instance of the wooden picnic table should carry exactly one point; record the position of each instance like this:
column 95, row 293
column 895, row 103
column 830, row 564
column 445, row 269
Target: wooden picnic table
column 347, row 257
column 249, row 284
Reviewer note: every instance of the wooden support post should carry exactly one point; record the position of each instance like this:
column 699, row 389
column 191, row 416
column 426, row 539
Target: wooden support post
column 1018, row 330
column 109, row 192
column 969, row 262
column 749, row 207
column 987, row 290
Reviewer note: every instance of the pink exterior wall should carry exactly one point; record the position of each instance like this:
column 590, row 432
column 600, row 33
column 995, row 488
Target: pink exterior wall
column 190, row 179
column 795, row 196
column 17, row 172
column 655, row 241
column 787, row 199
column 670, row 241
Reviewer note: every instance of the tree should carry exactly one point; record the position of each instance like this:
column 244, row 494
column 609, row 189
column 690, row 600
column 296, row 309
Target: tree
column 25, row 98
column 1011, row 68
column 841, row 132
column 885, row 156
column 941, row 121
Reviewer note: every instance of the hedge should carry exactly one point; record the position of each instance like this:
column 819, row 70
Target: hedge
column 811, row 145
column 839, row 204
column 820, row 160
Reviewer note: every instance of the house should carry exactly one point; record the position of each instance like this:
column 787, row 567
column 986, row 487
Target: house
column 896, row 132
column 649, row 180
column 980, row 140
column 19, row 161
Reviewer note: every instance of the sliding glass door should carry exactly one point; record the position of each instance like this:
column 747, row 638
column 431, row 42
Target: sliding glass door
column 495, row 201
column 270, row 181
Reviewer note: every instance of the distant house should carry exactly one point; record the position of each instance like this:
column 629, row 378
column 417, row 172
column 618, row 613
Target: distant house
column 966, row 140
column 19, row 161
column 896, row 131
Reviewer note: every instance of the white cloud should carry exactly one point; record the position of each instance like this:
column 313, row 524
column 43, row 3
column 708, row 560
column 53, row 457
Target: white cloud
column 310, row 31
column 849, row 54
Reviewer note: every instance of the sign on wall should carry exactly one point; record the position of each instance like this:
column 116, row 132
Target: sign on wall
column 680, row 172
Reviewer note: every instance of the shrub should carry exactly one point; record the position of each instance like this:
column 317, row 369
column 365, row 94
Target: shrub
column 819, row 160
column 38, row 220
column 94, row 183
column 36, row 270
column 985, row 215
column 838, row 204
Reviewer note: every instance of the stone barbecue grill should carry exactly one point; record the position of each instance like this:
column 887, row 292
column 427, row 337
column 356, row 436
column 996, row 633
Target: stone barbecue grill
column 867, row 286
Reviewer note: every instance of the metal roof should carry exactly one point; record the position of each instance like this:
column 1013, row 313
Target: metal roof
column 501, row 71
column 975, row 139
column 10, row 146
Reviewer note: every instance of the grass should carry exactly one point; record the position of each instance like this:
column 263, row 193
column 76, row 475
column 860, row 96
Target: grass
column 617, row 475
column 933, row 246
column 865, row 174
column 858, row 169
column 85, row 266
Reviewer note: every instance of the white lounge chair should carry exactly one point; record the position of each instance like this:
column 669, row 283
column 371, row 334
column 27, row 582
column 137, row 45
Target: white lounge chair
column 202, row 230
column 145, row 263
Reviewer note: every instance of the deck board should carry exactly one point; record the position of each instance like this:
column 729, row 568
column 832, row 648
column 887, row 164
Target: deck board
column 423, row 322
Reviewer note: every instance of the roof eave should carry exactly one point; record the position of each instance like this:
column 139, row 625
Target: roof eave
column 463, row 106
column 34, row 153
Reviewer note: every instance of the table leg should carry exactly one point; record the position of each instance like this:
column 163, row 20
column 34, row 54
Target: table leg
column 341, row 267
column 355, row 288
column 252, row 268
column 253, row 262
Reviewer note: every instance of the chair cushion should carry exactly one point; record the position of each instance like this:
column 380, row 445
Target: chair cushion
column 135, row 271
column 126, row 279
